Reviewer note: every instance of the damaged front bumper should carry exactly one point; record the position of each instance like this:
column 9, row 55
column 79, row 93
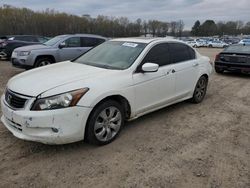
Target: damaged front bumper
column 59, row 126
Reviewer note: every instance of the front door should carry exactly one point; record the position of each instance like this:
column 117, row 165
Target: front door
column 154, row 89
column 72, row 49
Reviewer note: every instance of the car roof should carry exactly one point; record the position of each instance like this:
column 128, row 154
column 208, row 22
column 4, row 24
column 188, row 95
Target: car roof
column 82, row 35
column 147, row 40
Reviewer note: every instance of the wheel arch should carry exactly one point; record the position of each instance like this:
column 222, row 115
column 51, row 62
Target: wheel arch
column 118, row 98
column 45, row 56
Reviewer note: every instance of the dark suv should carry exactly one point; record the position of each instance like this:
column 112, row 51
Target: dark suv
column 9, row 43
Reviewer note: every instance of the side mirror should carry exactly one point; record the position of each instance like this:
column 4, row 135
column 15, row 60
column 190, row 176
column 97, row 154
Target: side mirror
column 62, row 45
column 150, row 67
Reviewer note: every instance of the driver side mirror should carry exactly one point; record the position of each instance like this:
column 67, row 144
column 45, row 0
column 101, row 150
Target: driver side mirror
column 150, row 67
column 62, row 45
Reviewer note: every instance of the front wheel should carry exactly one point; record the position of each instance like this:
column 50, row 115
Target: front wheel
column 200, row 90
column 105, row 123
column 43, row 62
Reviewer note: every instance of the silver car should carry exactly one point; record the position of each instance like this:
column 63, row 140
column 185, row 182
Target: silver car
column 59, row 48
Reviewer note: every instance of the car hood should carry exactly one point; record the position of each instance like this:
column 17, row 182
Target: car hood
column 33, row 47
column 40, row 80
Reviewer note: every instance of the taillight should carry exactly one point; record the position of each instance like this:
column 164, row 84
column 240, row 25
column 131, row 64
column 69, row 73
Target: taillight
column 217, row 57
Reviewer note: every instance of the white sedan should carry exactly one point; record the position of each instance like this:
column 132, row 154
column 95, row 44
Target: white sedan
column 91, row 97
column 217, row 44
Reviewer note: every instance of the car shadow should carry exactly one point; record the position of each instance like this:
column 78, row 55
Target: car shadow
column 39, row 148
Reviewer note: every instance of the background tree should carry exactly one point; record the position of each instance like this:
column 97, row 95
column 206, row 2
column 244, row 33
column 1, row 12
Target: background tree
column 51, row 23
column 196, row 28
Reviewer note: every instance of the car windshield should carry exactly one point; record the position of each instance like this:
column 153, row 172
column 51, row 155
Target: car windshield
column 53, row 41
column 112, row 55
column 238, row 49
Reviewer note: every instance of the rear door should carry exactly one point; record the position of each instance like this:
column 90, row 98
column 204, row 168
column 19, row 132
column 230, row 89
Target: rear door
column 186, row 68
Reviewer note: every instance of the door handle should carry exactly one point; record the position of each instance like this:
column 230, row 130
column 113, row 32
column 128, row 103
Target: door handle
column 195, row 64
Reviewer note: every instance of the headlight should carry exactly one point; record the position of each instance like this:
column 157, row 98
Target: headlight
column 23, row 53
column 63, row 100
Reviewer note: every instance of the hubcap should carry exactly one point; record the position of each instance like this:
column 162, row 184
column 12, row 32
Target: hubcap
column 200, row 89
column 43, row 63
column 107, row 124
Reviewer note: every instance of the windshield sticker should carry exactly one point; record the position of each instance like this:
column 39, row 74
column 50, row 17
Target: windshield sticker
column 129, row 44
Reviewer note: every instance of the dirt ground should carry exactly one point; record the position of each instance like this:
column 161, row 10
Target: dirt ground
column 184, row 145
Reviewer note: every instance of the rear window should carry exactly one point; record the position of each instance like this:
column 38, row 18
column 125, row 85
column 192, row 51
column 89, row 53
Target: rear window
column 238, row 49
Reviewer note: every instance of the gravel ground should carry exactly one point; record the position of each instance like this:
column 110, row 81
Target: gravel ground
column 184, row 145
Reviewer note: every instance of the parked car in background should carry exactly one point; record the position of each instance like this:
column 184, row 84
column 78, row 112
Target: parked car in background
column 9, row 43
column 245, row 41
column 195, row 44
column 60, row 48
column 90, row 97
column 234, row 58
column 231, row 40
column 217, row 44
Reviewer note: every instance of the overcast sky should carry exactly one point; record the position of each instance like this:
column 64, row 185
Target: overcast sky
column 165, row 10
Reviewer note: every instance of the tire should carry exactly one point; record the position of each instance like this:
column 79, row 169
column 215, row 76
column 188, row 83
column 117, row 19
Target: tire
column 43, row 62
column 200, row 90
column 218, row 70
column 101, row 129
column 210, row 46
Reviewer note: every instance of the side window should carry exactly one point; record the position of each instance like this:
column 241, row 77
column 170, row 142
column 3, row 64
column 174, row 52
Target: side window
column 159, row 54
column 91, row 42
column 21, row 38
column 73, row 42
column 26, row 38
column 180, row 52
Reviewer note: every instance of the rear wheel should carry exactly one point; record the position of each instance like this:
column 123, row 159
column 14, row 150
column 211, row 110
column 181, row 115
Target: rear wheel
column 105, row 123
column 210, row 46
column 43, row 62
column 200, row 90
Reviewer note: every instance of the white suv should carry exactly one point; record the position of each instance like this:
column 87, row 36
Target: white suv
column 91, row 97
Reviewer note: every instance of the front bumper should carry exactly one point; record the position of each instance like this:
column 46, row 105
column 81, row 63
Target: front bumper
column 3, row 55
column 49, row 127
column 25, row 62
column 20, row 63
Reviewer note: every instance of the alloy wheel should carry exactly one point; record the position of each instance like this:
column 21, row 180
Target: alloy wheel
column 108, row 124
column 200, row 90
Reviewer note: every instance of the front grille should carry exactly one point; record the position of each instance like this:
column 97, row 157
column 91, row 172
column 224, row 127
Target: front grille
column 15, row 100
